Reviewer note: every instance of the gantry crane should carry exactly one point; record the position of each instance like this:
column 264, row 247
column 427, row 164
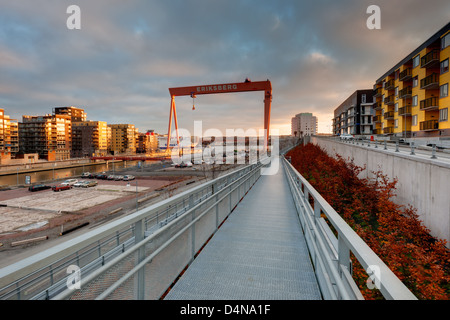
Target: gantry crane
column 246, row 86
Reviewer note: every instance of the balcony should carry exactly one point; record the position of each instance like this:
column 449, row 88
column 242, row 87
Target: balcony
column 389, row 115
column 390, row 85
column 405, row 75
column 405, row 111
column 430, row 125
column 430, row 60
column 377, row 106
column 388, row 130
column 389, row 100
column 378, row 92
column 405, row 92
column 377, row 119
column 430, row 82
column 429, row 104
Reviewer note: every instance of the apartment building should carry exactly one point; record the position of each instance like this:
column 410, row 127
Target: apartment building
column 147, row 142
column 355, row 115
column 49, row 136
column 304, row 124
column 411, row 99
column 90, row 138
column 9, row 136
column 123, row 138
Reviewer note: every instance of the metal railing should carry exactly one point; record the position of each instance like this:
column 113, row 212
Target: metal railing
column 330, row 254
column 151, row 246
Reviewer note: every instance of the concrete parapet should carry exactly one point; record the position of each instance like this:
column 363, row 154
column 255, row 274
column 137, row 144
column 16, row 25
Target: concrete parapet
column 422, row 183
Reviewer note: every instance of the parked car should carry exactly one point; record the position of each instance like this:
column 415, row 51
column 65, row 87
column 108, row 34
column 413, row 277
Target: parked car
column 118, row 178
column 111, row 177
column 102, row 176
column 85, row 174
column 128, row 177
column 90, row 184
column 61, row 187
column 181, row 165
column 38, row 187
column 80, row 183
column 346, row 136
column 69, row 182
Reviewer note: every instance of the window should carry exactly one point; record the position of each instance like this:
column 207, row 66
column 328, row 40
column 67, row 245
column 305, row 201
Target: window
column 414, row 120
column 444, row 90
column 414, row 101
column 416, row 61
column 363, row 97
column 415, row 81
column 396, row 91
column 396, row 123
column 443, row 115
column 445, row 41
column 396, row 107
column 444, row 66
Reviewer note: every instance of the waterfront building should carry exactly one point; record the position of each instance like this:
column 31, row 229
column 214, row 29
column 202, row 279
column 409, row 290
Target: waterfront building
column 355, row 115
column 89, row 138
column 304, row 124
column 9, row 136
column 123, row 138
column 49, row 136
column 411, row 98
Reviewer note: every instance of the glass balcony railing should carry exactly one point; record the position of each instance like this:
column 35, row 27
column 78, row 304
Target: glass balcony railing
column 429, row 125
column 429, row 104
column 431, row 59
column 405, row 111
column 405, row 75
column 430, row 82
column 405, row 92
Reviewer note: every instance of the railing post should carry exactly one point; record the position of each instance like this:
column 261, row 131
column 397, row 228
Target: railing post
column 433, row 153
column 412, row 149
column 343, row 254
column 139, row 234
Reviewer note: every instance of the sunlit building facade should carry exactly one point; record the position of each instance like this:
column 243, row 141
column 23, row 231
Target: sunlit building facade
column 412, row 99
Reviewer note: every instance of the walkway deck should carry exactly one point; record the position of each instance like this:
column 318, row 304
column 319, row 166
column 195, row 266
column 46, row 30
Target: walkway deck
column 259, row 253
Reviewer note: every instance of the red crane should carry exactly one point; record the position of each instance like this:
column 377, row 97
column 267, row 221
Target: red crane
column 246, row 86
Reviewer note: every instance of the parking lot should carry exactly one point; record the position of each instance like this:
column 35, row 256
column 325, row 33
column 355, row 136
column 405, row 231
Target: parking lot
column 22, row 209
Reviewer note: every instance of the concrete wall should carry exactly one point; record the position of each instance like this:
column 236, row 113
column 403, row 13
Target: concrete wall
column 423, row 183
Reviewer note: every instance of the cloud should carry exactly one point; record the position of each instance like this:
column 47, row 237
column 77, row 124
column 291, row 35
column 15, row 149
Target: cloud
column 121, row 63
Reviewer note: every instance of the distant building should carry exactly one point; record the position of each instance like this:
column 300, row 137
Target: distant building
column 9, row 136
column 355, row 114
column 147, row 142
column 304, row 124
column 49, row 136
column 123, row 138
column 89, row 138
column 75, row 114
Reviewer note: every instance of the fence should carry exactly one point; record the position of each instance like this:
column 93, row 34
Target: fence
column 135, row 257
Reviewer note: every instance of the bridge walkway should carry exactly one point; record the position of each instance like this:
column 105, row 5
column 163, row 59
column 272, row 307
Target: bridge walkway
column 259, row 253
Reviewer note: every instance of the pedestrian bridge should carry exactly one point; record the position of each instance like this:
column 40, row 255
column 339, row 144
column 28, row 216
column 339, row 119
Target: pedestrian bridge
column 257, row 233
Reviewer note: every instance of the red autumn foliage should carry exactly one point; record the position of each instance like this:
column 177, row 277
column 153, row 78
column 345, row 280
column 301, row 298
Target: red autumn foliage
column 392, row 231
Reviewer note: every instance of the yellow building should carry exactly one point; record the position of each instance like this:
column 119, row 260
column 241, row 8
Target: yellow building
column 9, row 136
column 411, row 99
column 124, row 138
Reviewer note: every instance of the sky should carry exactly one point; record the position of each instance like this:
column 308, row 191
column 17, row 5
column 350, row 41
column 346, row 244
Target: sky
column 127, row 54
